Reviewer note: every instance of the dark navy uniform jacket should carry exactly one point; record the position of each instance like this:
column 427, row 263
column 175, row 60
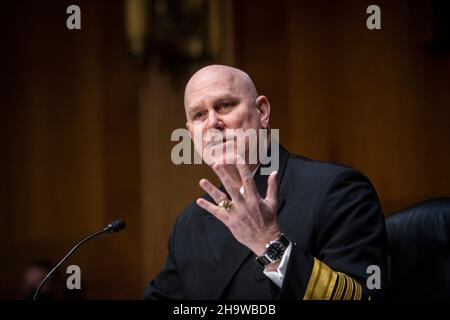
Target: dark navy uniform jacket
column 330, row 213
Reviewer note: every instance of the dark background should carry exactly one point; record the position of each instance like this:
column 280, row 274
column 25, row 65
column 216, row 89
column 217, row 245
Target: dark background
column 85, row 125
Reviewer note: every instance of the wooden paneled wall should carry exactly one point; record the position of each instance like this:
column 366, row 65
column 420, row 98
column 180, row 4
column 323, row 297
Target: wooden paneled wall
column 85, row 132
column 72, row 146
column 376, row 100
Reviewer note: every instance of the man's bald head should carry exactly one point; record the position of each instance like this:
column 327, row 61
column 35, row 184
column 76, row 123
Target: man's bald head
column 219, row 98
column 228, row 78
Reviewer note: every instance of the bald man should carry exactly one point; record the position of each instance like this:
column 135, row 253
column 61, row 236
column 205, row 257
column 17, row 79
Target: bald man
column 309, row 230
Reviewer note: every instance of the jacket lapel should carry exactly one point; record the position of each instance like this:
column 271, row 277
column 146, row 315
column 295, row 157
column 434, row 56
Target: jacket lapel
column 228, row 253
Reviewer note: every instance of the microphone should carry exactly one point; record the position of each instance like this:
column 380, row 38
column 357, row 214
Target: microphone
column 114, row 226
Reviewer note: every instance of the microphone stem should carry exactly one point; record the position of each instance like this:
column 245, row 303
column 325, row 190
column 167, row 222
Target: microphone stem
column 65, row 258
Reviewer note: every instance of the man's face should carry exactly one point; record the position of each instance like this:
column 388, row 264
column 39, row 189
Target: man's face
column 215, row 102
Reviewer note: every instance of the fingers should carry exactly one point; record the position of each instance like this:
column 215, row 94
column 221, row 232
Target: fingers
column 212, row 190
column 247, row 180
column 219, row 213
column 232, row 171
column 271, row 195
column 228, row 183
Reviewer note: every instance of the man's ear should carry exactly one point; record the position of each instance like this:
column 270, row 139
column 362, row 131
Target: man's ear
column 263, row 106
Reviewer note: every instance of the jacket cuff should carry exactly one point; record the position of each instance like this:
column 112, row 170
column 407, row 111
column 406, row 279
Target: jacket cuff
column 297, row 274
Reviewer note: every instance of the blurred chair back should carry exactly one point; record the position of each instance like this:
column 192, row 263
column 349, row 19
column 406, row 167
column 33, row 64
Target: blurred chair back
column 419, row 251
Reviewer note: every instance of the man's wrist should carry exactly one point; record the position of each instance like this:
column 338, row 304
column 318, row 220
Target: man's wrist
column 261, row 247
column 273, row 266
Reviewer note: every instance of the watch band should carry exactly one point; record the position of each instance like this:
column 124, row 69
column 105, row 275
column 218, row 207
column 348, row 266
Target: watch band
column 285, row 241
column 276, row 248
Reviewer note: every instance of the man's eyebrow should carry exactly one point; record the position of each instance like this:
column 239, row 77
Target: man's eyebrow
column 226, row 98
column 193, row 109
column 216, row 101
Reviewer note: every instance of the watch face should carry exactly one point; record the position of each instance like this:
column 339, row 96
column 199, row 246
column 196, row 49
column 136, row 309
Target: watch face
column 275, row 250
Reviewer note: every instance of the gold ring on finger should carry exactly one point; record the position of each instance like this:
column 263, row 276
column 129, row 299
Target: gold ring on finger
column 225, row 203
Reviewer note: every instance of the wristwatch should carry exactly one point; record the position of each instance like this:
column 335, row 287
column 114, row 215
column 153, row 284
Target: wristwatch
column 274, row 251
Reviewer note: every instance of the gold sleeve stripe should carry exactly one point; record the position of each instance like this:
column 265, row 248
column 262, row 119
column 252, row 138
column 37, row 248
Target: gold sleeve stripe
column 330, row 286
column 321, row 283
column 312, row 280
column 358, row 291
column 349, row 290
column 325, row 284
column 340, row 287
